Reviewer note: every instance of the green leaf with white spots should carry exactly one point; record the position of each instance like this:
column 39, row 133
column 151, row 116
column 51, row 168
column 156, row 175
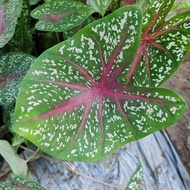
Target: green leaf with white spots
column 69, row 33
column 71, row 104
column 17, row 183
column 164, row 45
column 99, row 5
column 9, row 12
column 13, row 68
column 156, row 14
column 137, row 180
column 59, row 16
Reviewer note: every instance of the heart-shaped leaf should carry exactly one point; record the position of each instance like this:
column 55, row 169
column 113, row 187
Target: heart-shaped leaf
column 164, row 44
column 13, row 68
column 99, row 6
column 71, row 104
column 9, row 12
column 61, row 15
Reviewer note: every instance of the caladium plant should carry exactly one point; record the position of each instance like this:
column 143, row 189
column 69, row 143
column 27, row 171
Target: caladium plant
column 137, row 180
column 15, row 182
column 9, row 12
column 13, row 68
column 60, row 16
column 164, row 45
column 80, row 102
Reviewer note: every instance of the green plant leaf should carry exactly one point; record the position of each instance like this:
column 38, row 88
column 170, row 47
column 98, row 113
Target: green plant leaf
column 156, row 14
column 9, row 12
column 164, row 45
column 22, row 39
column 69, row 33
column 71, row 104
column 17, row 140
column 100, row 6
column 18, row 165
column 17, row 183
column 137, row 180
column 13, row 68
column 60, row 16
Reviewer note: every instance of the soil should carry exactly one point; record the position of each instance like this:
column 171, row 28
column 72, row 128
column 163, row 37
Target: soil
column 179, row 133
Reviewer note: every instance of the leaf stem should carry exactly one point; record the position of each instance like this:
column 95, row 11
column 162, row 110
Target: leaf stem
column 57, row 36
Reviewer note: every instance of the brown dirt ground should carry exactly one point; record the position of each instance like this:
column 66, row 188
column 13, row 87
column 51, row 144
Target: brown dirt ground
column 179, row 132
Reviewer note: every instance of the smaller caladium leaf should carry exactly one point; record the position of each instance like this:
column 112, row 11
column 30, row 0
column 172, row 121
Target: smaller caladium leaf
column 99, row 5
column 164, row 45
column 71, row 104
column 17, row 183
column 14, row 67
column 61, row 15
column 9, row 12
column 156, row 14
column 137, row 180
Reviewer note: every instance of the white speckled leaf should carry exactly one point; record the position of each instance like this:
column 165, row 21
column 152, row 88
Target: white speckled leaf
column 156, row 13
column 13, row 67
column 71, row 104
column 15, row 182
column 58, row 16
column 164, row 45
column 137, row 180
column 9, row 12
column 99, row 5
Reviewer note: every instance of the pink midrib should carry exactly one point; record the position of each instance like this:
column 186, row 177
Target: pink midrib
column 55, row 18
column 98, row 88
column 69, row 105
column 2, row 11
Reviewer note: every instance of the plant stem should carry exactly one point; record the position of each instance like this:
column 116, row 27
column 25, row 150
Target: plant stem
column 69, row 166
column 57, row 35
